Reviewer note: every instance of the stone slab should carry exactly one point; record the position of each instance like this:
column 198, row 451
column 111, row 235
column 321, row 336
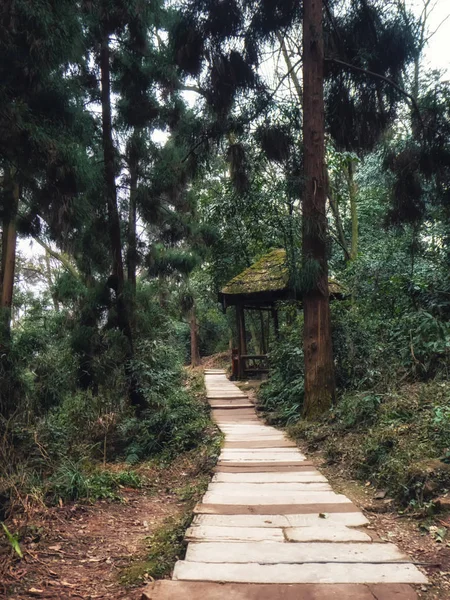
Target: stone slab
column 266, row 457
column 332, row 533
column 274, row 552
column 186, row 590
column 305, row 573
column 291, row 467
column 337, row 535
column 221, row 406
column 333, row 520
column 251, row 444
column 206, row 533
column 260, row 452
column 274, row 477
column 263, row 458
column 277, row 499
column 275, row 509
column 267, row 489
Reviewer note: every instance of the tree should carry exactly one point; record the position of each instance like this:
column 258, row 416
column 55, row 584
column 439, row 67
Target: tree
column 318, row 353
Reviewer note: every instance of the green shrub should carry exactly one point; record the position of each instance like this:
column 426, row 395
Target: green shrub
column 78, row 481
column 281, row 397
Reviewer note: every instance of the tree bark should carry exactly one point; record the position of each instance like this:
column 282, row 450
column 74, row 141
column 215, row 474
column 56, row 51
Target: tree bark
column 195, row 352
column 9, row 241
column 318, row 354
column 132, row 241
column 117, row 275
column 353, row 192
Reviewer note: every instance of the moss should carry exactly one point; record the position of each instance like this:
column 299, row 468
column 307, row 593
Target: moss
column 269, row 274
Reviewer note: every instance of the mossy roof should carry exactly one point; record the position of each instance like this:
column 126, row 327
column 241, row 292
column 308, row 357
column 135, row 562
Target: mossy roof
column 269, row 274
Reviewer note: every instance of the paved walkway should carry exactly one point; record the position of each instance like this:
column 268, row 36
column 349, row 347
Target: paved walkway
column 271, row 527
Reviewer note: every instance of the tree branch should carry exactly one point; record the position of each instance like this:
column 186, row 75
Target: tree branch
column 351, row 67
column 60, row 257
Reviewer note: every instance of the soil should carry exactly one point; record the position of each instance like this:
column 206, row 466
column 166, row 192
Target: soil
column 79, row 551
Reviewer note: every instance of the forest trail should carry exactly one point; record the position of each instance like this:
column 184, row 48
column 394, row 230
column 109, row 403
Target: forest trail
column 270, row 526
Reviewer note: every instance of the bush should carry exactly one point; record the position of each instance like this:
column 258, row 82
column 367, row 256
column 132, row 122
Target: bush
column 281, row 397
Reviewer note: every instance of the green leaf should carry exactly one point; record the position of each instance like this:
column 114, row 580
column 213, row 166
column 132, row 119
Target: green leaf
column 12, row 539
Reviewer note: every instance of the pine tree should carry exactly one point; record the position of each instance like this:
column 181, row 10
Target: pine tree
column 358, row 52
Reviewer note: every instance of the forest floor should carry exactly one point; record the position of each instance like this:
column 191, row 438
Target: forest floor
column 102, row 550
column 416, row 533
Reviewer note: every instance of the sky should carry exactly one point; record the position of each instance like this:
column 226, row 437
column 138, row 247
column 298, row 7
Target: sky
column 437, row 54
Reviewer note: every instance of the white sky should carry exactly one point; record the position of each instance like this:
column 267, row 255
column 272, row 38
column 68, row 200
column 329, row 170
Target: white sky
column 437, row 54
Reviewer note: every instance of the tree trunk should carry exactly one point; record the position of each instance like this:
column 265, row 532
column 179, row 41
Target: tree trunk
column 9, row 240
column 195, row 352
column 132, row 240
column 353, row 192
column 319, row 367
column 117, row 275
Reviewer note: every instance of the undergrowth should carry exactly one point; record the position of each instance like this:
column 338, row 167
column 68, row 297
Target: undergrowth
column 63, row 457
column 399, row 441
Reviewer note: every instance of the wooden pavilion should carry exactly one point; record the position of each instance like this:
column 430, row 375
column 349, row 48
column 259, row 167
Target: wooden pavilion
column 260, row 288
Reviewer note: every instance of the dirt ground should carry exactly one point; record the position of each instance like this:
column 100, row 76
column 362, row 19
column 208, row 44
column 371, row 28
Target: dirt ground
column 78, row 551
column 81, row 551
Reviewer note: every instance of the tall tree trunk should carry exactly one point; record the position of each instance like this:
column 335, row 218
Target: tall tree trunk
column 132, row 240
column 9, row 241
column 353, row 192
column 117, row 275
column 195, row 352
column 319, row 367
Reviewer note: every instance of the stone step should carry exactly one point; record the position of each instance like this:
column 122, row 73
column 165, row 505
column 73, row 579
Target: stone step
column 280, row 498
column 275, row 477
column 354, row 519
column 208, row 533
column 275, row 552
column 321, row 572
column 267, row 489
column 230, row 406
column 265, row 443
column 186, row 590
column 259, row 467
column 273, row 509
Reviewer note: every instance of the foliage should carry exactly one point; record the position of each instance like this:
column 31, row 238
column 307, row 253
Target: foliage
column 397, row 440
column 282, row 395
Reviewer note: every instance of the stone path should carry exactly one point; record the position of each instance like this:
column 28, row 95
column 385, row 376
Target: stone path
column 271, row 527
